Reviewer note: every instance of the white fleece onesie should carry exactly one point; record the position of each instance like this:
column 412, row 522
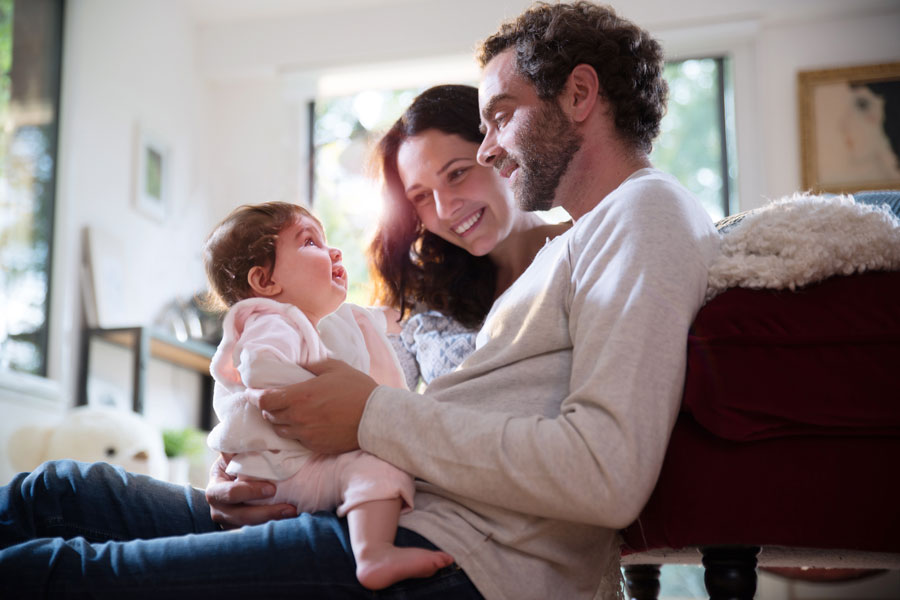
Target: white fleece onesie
column 265, row 344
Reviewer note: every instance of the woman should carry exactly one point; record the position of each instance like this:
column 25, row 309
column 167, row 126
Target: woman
column 451, row 242
column 451, row 238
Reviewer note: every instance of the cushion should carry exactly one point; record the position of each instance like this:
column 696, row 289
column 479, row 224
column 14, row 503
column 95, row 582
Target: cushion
column 823, row 360
column 889, row 197
column 798, row 491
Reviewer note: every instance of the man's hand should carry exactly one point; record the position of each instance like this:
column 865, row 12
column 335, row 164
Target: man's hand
column 226, row 497
column 323, row 413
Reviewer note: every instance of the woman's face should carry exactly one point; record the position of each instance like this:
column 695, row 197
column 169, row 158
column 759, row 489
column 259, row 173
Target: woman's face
column 456, row 198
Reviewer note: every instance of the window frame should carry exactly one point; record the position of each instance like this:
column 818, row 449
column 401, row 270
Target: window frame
column 48, row 17
column 728, row 156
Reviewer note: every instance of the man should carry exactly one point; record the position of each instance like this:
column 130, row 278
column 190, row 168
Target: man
column 551, row 435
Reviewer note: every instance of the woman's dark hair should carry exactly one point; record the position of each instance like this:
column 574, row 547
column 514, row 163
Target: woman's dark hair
column 410, row 265
column 246, row 238
column 549, row 40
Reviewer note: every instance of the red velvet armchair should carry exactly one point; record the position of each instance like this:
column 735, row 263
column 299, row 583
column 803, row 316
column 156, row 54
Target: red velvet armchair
column 787, row 449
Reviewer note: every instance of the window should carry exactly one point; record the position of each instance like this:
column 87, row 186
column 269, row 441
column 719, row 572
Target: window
column 696, row 144
column 30, row 53
column 344, row 197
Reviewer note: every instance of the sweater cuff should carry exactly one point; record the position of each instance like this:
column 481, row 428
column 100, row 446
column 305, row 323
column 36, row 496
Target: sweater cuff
column 378, row 426
column 373, row 413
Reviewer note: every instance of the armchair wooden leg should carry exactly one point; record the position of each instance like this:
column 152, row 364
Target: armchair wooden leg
column 642, row 582
column 730, row 572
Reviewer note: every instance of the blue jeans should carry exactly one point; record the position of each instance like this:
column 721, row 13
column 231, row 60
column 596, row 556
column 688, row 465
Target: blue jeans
column 77, row 530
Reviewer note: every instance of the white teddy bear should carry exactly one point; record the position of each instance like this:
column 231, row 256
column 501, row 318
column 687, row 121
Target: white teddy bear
column 91, row 434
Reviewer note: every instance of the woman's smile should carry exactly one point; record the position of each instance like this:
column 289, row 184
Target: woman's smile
column 471, row 221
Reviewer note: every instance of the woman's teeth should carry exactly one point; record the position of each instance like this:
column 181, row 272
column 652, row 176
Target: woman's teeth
column 467, row 224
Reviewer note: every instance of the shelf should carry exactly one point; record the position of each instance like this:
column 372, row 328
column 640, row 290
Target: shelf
column 191, row 354
column 146, row 343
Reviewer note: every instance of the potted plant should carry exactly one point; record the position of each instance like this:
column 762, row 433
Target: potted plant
column 185, row 448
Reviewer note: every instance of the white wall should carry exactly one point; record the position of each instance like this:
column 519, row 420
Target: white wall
column 127, row 65
column 255, row 144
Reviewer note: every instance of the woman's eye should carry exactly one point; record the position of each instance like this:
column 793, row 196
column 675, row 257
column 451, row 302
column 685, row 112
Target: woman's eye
column 456, row 174
column 420, row 199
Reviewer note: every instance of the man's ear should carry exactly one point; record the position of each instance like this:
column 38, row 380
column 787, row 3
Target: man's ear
column 261, row 283
column 582, row 89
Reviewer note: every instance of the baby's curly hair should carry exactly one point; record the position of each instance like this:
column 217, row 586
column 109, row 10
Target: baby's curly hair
column 549, row 40
column 245, row 239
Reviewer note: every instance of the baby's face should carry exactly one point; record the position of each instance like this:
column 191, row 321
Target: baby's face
column 309, row 272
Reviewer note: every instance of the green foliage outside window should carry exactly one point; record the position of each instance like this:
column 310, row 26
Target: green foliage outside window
column 690, row 145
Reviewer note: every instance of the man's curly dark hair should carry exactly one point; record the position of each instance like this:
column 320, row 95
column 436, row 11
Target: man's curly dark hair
column 550, row 40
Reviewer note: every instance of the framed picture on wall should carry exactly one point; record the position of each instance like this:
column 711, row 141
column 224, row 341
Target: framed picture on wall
column 152, row 175
column 850, row 128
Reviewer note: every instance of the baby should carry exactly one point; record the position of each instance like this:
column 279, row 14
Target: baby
column 285, row 291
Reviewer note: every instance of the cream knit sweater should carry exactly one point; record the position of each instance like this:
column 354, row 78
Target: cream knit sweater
column 550, row 436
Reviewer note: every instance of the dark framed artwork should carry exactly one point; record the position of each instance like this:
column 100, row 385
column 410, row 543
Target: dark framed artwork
column 850, row 128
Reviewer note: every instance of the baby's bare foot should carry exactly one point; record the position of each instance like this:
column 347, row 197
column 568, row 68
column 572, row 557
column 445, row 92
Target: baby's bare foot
column 380, row 566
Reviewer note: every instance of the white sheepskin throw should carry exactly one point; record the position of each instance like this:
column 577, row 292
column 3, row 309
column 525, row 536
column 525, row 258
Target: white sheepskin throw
column 803, row 239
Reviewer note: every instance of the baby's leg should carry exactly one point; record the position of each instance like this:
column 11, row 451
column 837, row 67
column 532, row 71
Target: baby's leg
column 379, row 563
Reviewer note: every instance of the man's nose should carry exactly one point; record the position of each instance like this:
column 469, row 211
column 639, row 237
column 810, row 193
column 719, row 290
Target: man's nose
column 489, row 150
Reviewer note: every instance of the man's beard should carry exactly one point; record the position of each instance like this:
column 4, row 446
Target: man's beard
column 548, row 142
